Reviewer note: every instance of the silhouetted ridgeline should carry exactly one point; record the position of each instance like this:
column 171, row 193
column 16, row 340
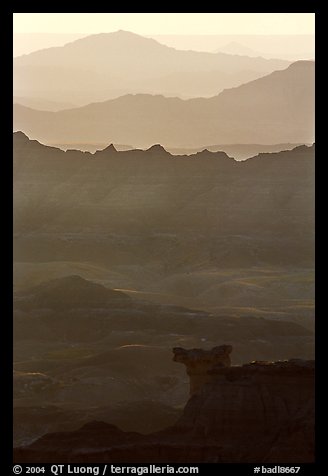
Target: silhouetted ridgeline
column 128, row 205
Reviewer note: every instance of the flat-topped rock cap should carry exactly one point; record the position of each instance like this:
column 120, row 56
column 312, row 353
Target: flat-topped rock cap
column 186, row 355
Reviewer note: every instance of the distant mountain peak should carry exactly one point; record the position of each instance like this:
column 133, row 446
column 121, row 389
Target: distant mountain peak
column 117, row 34
column 303, row 148
column 20, row 136
column 110, row 149
column 301, row 64
column 126, row 33
column 120, row 36
column 216, row 155
column 157, row 148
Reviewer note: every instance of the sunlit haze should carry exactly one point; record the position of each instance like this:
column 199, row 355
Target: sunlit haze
column 166, row 23
column 198, row 31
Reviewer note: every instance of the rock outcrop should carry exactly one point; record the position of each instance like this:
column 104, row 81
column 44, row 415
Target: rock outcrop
column 265, row 409
column 199, row 362
column 258, row 412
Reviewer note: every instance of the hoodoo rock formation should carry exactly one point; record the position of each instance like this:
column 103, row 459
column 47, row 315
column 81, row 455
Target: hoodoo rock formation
column 261, row 412
column 200, row 362
column 265, row 409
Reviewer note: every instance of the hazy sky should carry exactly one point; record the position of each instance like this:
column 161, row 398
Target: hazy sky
column 166, row 23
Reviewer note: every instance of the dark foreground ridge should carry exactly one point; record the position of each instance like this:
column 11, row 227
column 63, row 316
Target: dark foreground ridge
column 35, row 148
column 257, row 412
column 261, row 208
column 156, row 151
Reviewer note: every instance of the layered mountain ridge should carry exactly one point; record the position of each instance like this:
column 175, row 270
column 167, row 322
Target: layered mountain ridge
column 109, row 65
column 273, row 109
